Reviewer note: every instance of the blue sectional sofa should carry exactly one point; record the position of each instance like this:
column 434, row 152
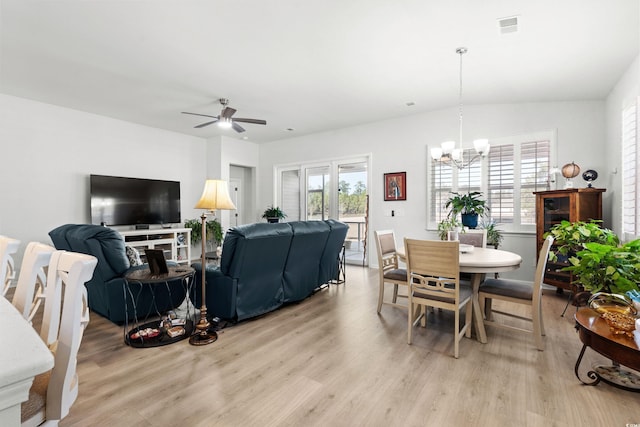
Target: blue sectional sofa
column 105, row 289
column 264, row 266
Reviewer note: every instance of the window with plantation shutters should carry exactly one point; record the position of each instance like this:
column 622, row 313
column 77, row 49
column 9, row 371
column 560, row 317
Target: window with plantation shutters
column 290, row 193
column 630, row 176
column 507, row 178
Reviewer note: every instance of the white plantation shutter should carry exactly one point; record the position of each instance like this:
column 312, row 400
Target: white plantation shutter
column 507, row 178
column 441, row 187
column 534, row 176
column 290, row 193
column 470, row 178
column 630, row 176
column 501, row 180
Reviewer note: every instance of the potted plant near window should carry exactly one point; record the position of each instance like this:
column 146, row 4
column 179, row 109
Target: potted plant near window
column 447, row 225
column 494, row 236
column 469, row 206
column 273, row 214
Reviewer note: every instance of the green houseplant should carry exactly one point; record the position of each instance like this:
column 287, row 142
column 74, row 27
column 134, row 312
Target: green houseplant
column 213, row 229
column 469, row 206
column 273, row 214
column 446, row 225
column 494, row 235
column 570, row 237
column 606, row 268
column 595, row 256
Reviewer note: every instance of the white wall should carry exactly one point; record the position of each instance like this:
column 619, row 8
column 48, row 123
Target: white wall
column 627, row 88
column 401, row 145
column 48, row 153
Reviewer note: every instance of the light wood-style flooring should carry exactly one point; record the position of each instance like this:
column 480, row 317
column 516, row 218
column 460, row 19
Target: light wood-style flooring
column 331, row 360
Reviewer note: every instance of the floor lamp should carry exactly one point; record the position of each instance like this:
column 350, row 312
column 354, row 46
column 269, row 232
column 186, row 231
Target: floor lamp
column 215, row 196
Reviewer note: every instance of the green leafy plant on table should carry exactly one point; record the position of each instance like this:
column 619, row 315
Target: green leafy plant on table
column 606, row 268
column 570, row 237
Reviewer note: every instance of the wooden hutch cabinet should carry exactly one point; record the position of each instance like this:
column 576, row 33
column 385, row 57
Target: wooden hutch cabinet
column 573, row 204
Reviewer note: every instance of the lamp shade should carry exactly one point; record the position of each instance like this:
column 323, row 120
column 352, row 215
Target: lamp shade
column 215, row 196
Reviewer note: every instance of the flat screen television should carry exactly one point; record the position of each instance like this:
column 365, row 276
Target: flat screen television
column 129, row 201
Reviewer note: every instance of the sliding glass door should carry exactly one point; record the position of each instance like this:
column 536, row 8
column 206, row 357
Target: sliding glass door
column 335, row 189
column 352, row 208
column 318, row 193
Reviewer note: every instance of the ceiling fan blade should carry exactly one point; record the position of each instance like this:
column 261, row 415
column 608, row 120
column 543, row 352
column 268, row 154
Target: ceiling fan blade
column 227, row 112
column 203, row 115
column 237, row 127
column 254, row 121
column 205, row 124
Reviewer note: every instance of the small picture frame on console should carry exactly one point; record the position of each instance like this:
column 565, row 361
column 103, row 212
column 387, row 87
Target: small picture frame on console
column 395, row 186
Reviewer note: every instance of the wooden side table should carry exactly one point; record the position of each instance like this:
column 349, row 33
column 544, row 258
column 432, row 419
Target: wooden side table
column 145, row 279
column 594, row 332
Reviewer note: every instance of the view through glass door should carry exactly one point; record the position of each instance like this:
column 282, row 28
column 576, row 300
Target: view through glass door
column 318, row 193
column 352, row 209
column 335, row 189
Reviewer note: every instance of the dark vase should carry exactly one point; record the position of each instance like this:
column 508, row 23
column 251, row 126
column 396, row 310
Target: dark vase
column 273, row 220
column 470, row 220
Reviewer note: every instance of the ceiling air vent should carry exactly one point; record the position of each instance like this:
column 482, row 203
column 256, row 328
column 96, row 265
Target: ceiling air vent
column 508, row 25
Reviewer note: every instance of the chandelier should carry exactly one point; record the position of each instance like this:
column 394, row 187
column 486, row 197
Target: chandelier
column 447, row 152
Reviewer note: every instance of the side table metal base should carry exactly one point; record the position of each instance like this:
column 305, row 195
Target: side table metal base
column 611, row 374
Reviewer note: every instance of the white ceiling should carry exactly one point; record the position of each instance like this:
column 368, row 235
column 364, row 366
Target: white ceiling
column 311, row 66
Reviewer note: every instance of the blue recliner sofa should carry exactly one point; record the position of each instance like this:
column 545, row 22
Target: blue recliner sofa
column 105, row 290
column 264, row 266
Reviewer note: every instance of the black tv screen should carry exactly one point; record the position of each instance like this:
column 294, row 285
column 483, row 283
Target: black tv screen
column 129, row 201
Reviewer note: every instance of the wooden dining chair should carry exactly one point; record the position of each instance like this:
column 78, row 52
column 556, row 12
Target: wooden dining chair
column 53, row 392
column 8, row 247
column 519, row 292
column 30, row 290
column 388, row 267
column 434, row 281
column 476, row 238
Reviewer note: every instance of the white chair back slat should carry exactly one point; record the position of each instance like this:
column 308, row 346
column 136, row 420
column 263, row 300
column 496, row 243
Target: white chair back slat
column 8, row 247
column 30, row 290
column 70, row 271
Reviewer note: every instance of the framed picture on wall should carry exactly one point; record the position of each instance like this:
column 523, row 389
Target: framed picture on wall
column 395, row 186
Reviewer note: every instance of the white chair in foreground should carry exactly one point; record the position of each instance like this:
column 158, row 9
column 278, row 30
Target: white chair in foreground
column 434, row 281
column 8, row 247
column 30, row 290
column 389, row 270
column 53, row 393
column 519, row 292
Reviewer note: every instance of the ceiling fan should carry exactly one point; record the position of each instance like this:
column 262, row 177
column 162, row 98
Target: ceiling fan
column 225, row 120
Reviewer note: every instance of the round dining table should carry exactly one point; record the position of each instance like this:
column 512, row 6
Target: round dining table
column 478, row 262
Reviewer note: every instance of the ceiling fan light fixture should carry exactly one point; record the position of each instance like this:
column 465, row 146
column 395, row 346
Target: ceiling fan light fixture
column 224, row 123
